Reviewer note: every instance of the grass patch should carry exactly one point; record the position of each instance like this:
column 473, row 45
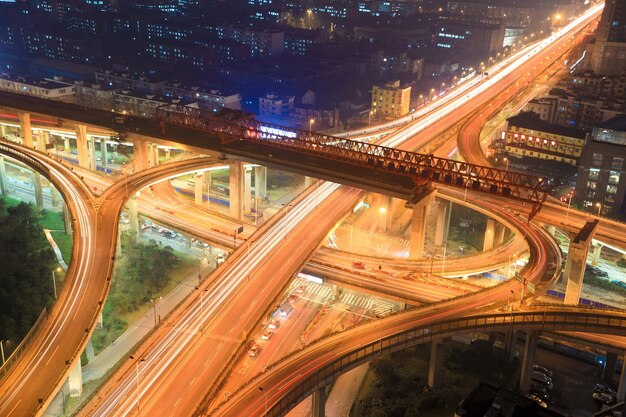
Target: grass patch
column 52, row 220
column 9, row 202
column 64, row 242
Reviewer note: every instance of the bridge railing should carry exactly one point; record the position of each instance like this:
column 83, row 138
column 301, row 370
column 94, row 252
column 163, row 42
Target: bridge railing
column 586, row 321
column 12, row 360
column 421, row 168
column 8, row 148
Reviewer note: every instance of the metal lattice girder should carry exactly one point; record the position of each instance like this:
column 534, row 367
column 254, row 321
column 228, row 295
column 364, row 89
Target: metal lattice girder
column 419, row 167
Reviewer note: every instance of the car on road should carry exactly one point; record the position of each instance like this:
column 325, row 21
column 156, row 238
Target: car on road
column 542, row 392
column 300, row 289
column 359, row 265
column 604, row 389
column 292, row 299
column 267, row 335
column 273, row 324
column 255, row 350
column 545, row 371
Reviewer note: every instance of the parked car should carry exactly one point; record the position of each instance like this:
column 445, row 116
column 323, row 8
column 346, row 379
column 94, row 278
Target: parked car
column 273, row 324
column 542, row 379
column 545, row 371
column 538, row 400
column 604, row 390
column 604, row 398
column 292, row 299
column 542, row 392
column 267, row 335
column 255, row 350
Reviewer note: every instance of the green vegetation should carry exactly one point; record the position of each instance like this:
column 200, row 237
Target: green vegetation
column 399, row 386
column 593, row 280
column 146, row 272
column 469, row 232
column 27, row 263
column 64, row 242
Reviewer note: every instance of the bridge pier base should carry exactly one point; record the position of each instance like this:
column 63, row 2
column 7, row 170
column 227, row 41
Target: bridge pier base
column 621, row 390
column 75, row 379
column 67, row 219
column 81, row 146
column 134, row 218
column 318, row 400
column 260, row 182
column 43, row 138
column 444, row 210
column 3, row 177
column 435, row 365
column 27, row 131
column 528, row 361
column 236, row 189
column 199, row 187
column 577, row 261
column 490, row 232
column 418, row 226
column 609, row 367
column 38, row 189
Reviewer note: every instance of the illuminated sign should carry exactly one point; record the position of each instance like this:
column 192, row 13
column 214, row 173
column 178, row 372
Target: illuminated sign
column 277, row 132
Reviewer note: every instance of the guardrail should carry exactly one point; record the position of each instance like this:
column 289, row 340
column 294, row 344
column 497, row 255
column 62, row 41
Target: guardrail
column 8, row 364
column 585, row 321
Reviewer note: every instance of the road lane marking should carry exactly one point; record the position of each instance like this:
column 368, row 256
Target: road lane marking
column 50, row 357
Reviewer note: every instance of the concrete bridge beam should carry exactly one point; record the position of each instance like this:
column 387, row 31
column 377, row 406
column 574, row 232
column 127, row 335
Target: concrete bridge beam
column 75, row 379
column 82, row 146
column 421, row 209
column 435, row 365
column 527, row 361
column 38, row 189
column 318, row 407
column 490, row 233
column 576, row 262
column 444, row 209
column 235, row 179
column 27, row 131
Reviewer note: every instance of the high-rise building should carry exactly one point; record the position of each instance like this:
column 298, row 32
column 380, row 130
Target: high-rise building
column 391, row 99
column 609, row 52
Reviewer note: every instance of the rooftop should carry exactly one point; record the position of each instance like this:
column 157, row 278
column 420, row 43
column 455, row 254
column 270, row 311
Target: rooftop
column 615, row 123
column 46, row 83
column 530, row 120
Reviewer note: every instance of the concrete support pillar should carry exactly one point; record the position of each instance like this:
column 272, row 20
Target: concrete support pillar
column 27, row 131
column 82, row 146
column 510, row 346
column 435, row 366
column 54, row 194
column 247, row 190
column 67, row 219
column 43, row 138
column 444, row 209
column 207, row 180
column 154, row 155
column 3, row 131
column 235, row 180
column 3, row 177
column 140, row 149
column 199, row 187
column 75, row 379
column 38, row 189
column 91, row 143
column 551, row 230
column 99, row 321
column 260, row 182
column 499, row 234
column 66, row 145
column 577, row 261
column 318, row 406
column 308, row 181
column 418, row 226
column 167, row 153
column 132, row 211
column 104, row 152
column 609, row 368
column 528, row 361
column 89, row 350
column 595, row 255
column 621, row 390
column 490, row 232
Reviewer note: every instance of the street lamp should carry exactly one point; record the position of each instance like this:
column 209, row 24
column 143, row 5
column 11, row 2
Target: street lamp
column 265, row 392
column 137, row 376
column 201, row 298
column 506, row 166
column 599, row 206
column 54, row 281
column 2, row 349
column 153, row 303
column 311, row 121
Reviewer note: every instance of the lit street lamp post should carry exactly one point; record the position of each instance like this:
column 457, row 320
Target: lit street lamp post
column 569, row 203
column 54, row 281
column 311, row 121
column 369, row 118
column 443, row 264
column 599, row 205
column 137, row 376
column 201, row 297
column 153, row 303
